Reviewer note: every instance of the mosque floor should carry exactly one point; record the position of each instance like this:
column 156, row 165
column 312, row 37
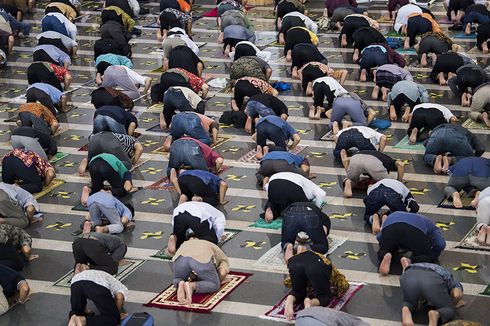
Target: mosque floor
column 378, row 302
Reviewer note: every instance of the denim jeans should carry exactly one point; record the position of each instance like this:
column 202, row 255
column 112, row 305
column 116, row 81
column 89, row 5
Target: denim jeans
column 188, row 123
column 186, row 152
column 268, row 131
column 174, row 100
column 308, row 218
column 475, row 17
column 379, row 197
column 256, row 109
column 106, row 123
column 98, row 212
column 444, row 140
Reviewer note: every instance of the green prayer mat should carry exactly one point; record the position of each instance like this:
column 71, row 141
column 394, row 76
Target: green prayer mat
column 262, row 224
column 410, row 51
column 58, row 156
column 486, row 291
column 393, row 34
column 79, row 207
column 403, row 144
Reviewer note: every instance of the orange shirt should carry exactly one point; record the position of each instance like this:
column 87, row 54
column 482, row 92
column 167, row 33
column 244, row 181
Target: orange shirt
column 39, row 110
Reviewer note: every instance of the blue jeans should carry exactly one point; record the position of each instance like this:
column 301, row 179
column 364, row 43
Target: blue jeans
column 174, row 100
column 188, row 123
column 447, row 140
column 268, row 131
column 349, row 139
column 475, row 17
column 380, row 197
column 98, row 212
column 106, row 123
column 308, row 218
column 256, row 109
column 186, row 152
column 15, row 24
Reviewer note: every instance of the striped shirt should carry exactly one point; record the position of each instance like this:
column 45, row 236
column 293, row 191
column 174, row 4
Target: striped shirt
column 127, row 142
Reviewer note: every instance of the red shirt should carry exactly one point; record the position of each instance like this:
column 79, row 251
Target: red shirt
column 209, row 154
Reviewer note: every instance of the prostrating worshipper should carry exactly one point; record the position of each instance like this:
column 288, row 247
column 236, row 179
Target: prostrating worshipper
column 13, row 287
column 313, row 70
column 104, row 290
column 245, row 48
column 302, row 54
column 418, row 24
column 16, row 9
column 17, row 27
column 116, row 14
column 114, row 118
column 315, row 281
column 247, row 87
column 19, row 239
column 126, row 148
column 177, row 36
column 284, row 7
column 446, row 66
column 100, row 251
column 111, row 96
column 364, row 37
column 482, row 37
column 233, row 17
column 433, row 44
column 323, row 316
column 175, row 4
column 131, row 7
column 297, row 35
column 234, row 34
column 11, row 257
column 280, row 161
column 482, row 205
column 200, row 185
column 456, row 9
column 385, row 77
column 403, row 97
column 52, row 54
column 352, row 105
column 17, row 206
column 468, row 78
column 179, row 98
column 7, row 38
column 65, row 7
column 331, row 5
column 262, row 105
column 351, row 24
column 47, row 95
column 286, row 188
column 376, row 55
column 376, row 165
column 106, row 213
column 110, row 59
column 424, row 118
column 292, row 19
column 467, row 174
column 188, row 152
column 340, row 13
column 475, row 14
column 324, row 88
column 480, row 104
column 126, row 79
column 199, row 267
column 402, row 15
column 393, row 6
column 307, row 218
column 410, row 232
column 26, row 169
column 31, row 139
column 435, row 286
column 114, row 39
column 183, row 57
column 449, row 143
column 170, row 18
column 195, row 219
column 278, row 131
column 55, row 21
column 59, row 40
column 194, row 125
column 49, row 73
column 250, row 66
column 178, row 77
column 360, row 137
column 387, row 192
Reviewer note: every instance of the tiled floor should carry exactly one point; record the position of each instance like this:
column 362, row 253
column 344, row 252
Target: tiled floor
column 378, row 302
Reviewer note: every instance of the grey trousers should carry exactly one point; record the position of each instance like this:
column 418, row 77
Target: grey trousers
column 13, row 214
column 456, row 184
column 366, row 164
column 208, row 279
column 28, row 143
column 419, row 284
column 98, row 212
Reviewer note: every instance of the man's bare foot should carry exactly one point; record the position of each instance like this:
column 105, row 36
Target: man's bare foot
column 407, row 317
column 433, row 317
column 482, row 235
column 412, row 140
column 406, row 116
column 485, row 118
column 467, row 29
column 363, row 76
column 24, row 291
column 259, row 153
column 181, row 297
column 438, row 164
column 75, row 321
column 344, row 158
column 318, row 113
column 87, row 227
column 82, row 167
column 384, row 94
column 445, row 164
column 172, row 244
column 307, row 302
column 311, row 113
column 85, row 195
column 405, row 262
column 348, row 188
column 376, row 226
column 355, row 55
column 289, row 310
column 289, row 251
column 197, row 198
column 423, row 60
column 488, row 234
column 375, row 92
column 188, row 293
column 268, row 216
column 384, row 267
column 393, row 116
column 457, row 203
column 343, row 41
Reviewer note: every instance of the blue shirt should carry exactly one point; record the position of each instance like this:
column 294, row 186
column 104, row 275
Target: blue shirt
column 55, row 53
column 114, row 60
column 278, row 122
column 108, row 200
column 420, row 222
column 475, row 166
column 210, row 179
column 448, row 278
column 54, row 93
column 286, row 156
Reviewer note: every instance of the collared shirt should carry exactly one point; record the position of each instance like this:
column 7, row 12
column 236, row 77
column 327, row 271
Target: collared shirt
column 55, row 53
column 333, row 84
column 19, row 197
column 103, row 279
column 312, row 191
column 448, row 278
column 39, row 111
column 403, row 13
column 108, row 200
column 14, row 236
column 70, row 27
column 67, row 42
column 210, row 179
column 444, row 110
column 54, row 93
column 116, row 247
column 204, row 212
column 280, row 123
column 115, row 60
column 285, row 156
column 368, row 133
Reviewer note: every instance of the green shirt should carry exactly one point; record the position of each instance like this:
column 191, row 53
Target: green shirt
column 114, row 162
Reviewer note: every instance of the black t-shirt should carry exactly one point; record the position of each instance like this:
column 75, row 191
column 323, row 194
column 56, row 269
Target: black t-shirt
column 386, row 160
column 183, row 57
column 45, row 140
column 272, row 102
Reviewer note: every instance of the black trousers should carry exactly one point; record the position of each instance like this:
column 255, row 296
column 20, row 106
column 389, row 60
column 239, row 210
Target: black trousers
column 41, row 55
column 53, row 41
column 242, row 89
column 35, row 94
column 11, row 258
column 101, row 171
column 101, row 297
column 92, row 252
column 193, row 186
column 9, row 279
column 14, row 168
column 202, row 230
column 282, row 193
column 38, row 73
column 425, row 120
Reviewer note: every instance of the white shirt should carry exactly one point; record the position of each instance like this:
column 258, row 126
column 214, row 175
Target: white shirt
column 135, row 6
column 484, row 193
column 134, row 76
column 403, row 13
column 332, row 84
column 445, row 111
column 70, row 27
column 308, row 22
column 368, row 133
column 184, row 37
column 264, row 55
column 204, row 212
column 103, row 279
column 393, row 184
column 312, row 191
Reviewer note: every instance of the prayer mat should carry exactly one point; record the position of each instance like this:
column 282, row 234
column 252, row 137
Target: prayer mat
column 162, row 184
column 58, row 156
column 79, row 207
column 221, row 140
column 469, row 242
column 444, row 21
column 486, row 291
column 122, row 272
column 277, row 312
column 152, row 25
column 201, row 302
column 262, row 224
column 462, row 35
column 55, row 183
column 228, row 234
column 465, row 199
column 403, row 144
column 157, row 107
column 328, row 136
column 273, row 259
column 140, row 163
column 393, row 34
column 84, row 148
column 410, row 51
column 250, row 156
column 472, row 124
column 155, row 128
column 212, row 13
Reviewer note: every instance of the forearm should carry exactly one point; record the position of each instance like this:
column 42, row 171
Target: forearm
column 119, row 300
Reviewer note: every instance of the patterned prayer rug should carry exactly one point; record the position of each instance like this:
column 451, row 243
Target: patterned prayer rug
column 250, row 156
column 55, row 183
column 262, row 224
column 472, row 124
column 465, row 199
column 162, row 184
column 328, row 136
column 201, row 302
column 469, row 242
